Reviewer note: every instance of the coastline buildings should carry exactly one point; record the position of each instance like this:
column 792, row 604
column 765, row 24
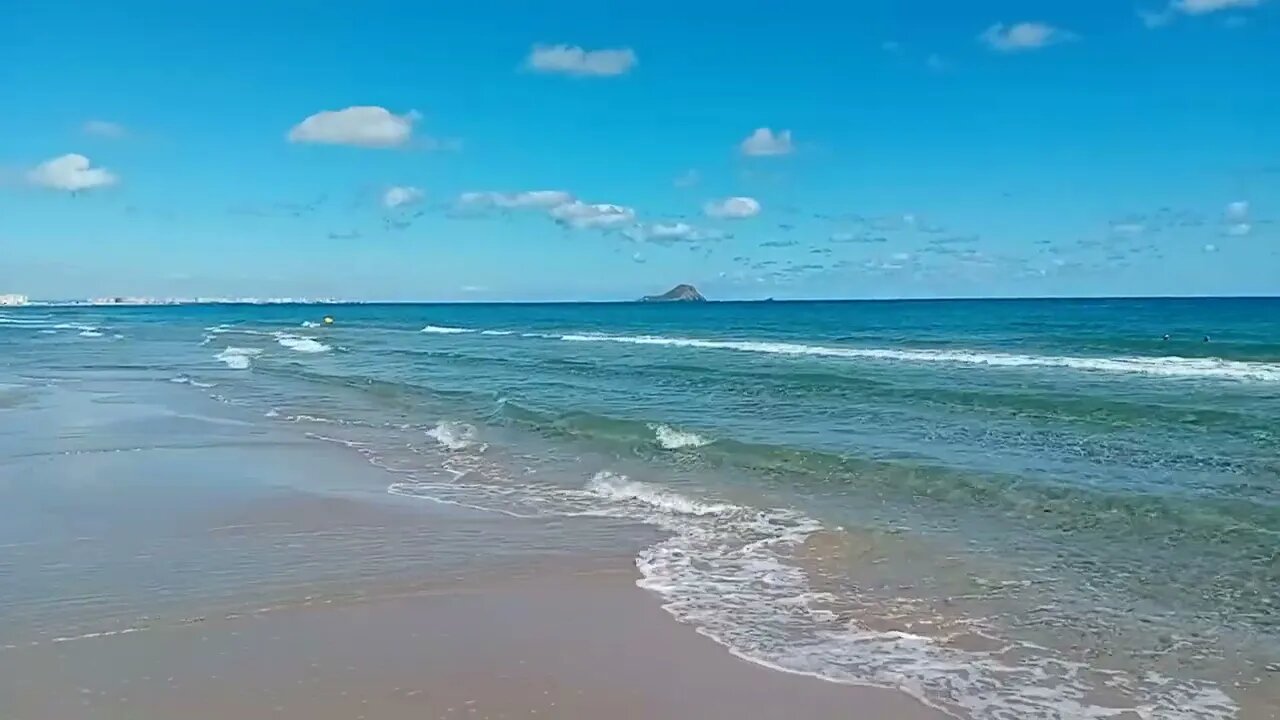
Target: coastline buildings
column 12, row 300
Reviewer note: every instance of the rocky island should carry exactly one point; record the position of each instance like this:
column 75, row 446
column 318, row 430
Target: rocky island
column 679, row 293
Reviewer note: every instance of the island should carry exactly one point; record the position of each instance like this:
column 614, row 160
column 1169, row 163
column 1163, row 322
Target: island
column 679, row 293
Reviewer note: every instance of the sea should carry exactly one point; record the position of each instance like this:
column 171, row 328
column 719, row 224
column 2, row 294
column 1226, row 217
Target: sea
column 1006, row 508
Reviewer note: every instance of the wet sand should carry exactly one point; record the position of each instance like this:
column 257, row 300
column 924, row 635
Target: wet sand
column 159, row 565
column 556, row 644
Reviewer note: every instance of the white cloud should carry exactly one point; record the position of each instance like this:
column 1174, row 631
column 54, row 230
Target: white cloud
column 1237, row 211
column 765, row 141
column 674, row 231
column 70, row 172
column 103, row 129
column 665, row 233
column 526, row 199
column 602, row 216
column 732, row 208
column 1239, row 229
column 1204, row 7
column 573, row 60
column 360, row 125
column 1023, row 36
column 1210, row 248
column 400, row 195
column 936, row 62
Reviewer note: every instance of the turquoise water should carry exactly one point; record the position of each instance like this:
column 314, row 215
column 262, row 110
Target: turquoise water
column 1031, row 509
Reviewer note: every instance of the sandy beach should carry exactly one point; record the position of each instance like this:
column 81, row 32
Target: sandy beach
column 559, row 645
column 219, row 570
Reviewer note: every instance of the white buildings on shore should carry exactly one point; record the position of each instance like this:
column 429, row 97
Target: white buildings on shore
column 12, row 300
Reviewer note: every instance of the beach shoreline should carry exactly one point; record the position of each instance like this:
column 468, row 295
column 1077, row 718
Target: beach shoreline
column 935, row 527
column 222, row 570
column 566, row 644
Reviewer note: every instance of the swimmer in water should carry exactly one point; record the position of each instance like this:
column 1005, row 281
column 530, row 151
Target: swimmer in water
column 1206, row 338
column 328, row 320
column 1166, row 337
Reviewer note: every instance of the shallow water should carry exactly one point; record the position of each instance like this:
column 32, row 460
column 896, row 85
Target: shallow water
column 1032, row 509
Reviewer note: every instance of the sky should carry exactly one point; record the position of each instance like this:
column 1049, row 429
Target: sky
column 498, row 151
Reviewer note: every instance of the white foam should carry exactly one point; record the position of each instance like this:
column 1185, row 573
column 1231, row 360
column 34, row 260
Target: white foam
column 301, row 344
column 1167, row 366
column 238, row 358
column 90, row 333
column 184, row 380
column 728, row 571
column 496, row 332
column 310, row 324
column 445, row 330
column 23, row 322
column 454, row 436
column 618, row 488
column 670, row 438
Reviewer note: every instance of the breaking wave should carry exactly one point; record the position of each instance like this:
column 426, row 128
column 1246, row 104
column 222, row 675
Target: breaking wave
column 238, row 358
column 670, row 438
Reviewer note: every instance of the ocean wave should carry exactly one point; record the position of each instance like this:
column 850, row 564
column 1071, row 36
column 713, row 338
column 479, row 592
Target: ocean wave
column 445, row 330
column 731, row 572
column 184, row 380
column 619, row 488
column 238, row 358
column 90, row 334
column 496, row 332
column 1166, row 366
column 301, row 344
column 670, row 438
column 454, row 436
column 727, row 570
column 310, row 324
column 23, row 322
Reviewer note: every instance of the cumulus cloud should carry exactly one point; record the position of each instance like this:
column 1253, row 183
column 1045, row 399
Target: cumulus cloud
column 1210, row 248
column 1023, row 36
column 366, row 126
column 72, row 173
column 505, row 200
column 664, row 232
column 1239, row 229
column 602, row 216
column 103, row 129
column 1237, row 211
column 573, row 60
column 732, row 208
column 401, row 195
column 764, row 142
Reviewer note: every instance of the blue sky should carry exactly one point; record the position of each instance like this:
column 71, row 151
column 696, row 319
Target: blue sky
column 589, row 150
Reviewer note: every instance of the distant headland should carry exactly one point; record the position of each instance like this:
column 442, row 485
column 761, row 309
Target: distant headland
column 679, row 293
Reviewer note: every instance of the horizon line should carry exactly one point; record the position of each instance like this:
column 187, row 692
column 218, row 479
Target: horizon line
column 160, row 302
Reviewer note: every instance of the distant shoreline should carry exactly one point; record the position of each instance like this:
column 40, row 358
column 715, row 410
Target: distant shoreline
column 760, row 301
